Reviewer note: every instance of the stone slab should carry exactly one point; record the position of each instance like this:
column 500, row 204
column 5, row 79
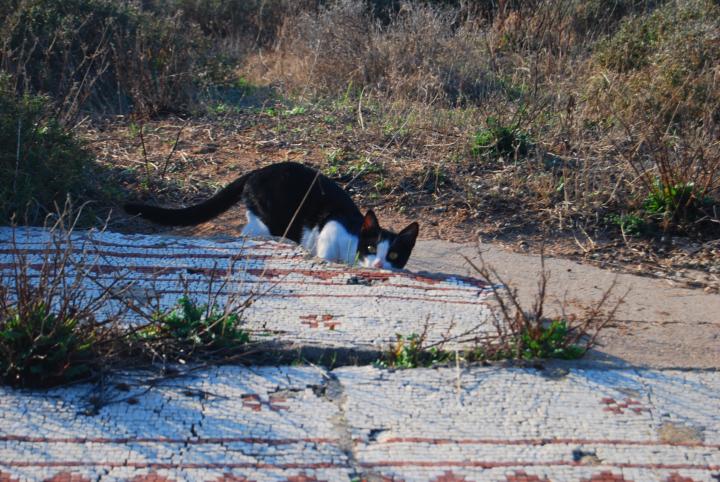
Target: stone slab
column 296, row 299
column 234, row 423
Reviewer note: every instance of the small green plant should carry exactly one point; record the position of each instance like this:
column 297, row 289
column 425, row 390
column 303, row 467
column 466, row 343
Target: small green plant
column 396, row 127
column 244, row 85
column 297, row 110
column 679, row 202
column 220, row 108
column 629, row 224
column 500, row 140
column 39, row 347
column 365, row 165
column 410, row 352
column 548, row 341
column 336, row 159
column 529, row 335
column 196, row 327
column 134, row 130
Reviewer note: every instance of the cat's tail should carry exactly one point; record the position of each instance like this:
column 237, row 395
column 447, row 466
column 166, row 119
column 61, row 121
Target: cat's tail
column 191, row 215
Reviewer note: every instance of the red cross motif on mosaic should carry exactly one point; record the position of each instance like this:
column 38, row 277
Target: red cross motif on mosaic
column 316, row 321
column 629, row 405
column 256, row 404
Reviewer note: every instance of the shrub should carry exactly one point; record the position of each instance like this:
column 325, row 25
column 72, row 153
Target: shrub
column 107, row 55
column 421, row 54
column 40, row 161
column 668, row 65
column 529, row 334
column 256, row 21
column 657, row 94
column 50, row 333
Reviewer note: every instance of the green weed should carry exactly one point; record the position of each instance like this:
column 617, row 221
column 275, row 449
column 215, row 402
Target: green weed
column 630, row 224
column 677, row 202
column 297, row 110
column 244, row 85
column 340, row 162
column 548, row 341
column 39, row 347
column 410, row 352
column 499, row 140
column 365, row 165
column 191, row 327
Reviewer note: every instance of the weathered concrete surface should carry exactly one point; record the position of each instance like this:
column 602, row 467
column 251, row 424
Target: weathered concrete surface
column 297, row 300
column 305, row 424
column 659, row 325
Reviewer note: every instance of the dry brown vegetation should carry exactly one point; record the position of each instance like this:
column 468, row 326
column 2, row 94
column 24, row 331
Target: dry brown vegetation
column 595, row 121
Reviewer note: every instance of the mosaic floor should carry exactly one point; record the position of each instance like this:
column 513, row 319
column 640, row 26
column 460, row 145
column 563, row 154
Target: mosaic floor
column 295, row 299
column 305, row 423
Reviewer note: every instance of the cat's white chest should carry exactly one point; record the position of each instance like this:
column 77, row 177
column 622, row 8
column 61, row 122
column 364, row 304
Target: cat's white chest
column 333, row 242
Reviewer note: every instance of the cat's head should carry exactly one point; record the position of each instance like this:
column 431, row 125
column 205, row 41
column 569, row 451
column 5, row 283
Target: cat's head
column 380, row 248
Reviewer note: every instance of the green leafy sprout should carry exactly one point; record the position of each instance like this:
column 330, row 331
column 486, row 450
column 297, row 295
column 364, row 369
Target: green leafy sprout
column 39, row 348
column 196, row 326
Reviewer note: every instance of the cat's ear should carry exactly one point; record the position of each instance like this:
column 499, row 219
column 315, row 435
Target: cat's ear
column 410, row 233
column 370, row 223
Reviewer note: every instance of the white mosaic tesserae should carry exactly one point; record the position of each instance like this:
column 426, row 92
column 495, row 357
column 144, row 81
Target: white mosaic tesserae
column 234, row 423
column 296, row 298
column 308, row 423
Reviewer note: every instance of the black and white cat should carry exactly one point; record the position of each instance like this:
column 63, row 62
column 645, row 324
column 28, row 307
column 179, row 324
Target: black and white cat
column 292, row 200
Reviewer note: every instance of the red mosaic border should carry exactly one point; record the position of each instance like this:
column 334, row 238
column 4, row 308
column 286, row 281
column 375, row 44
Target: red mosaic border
column 367, row 465
column 158, row 270
column 321, row 440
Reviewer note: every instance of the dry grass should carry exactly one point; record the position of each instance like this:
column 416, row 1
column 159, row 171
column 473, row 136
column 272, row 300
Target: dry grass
column 596, row 98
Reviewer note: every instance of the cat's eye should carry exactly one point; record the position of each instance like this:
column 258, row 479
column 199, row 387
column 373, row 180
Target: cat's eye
column 372, row 249
column 392, row 256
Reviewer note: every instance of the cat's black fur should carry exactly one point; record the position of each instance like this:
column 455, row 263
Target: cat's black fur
column 273, row 194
